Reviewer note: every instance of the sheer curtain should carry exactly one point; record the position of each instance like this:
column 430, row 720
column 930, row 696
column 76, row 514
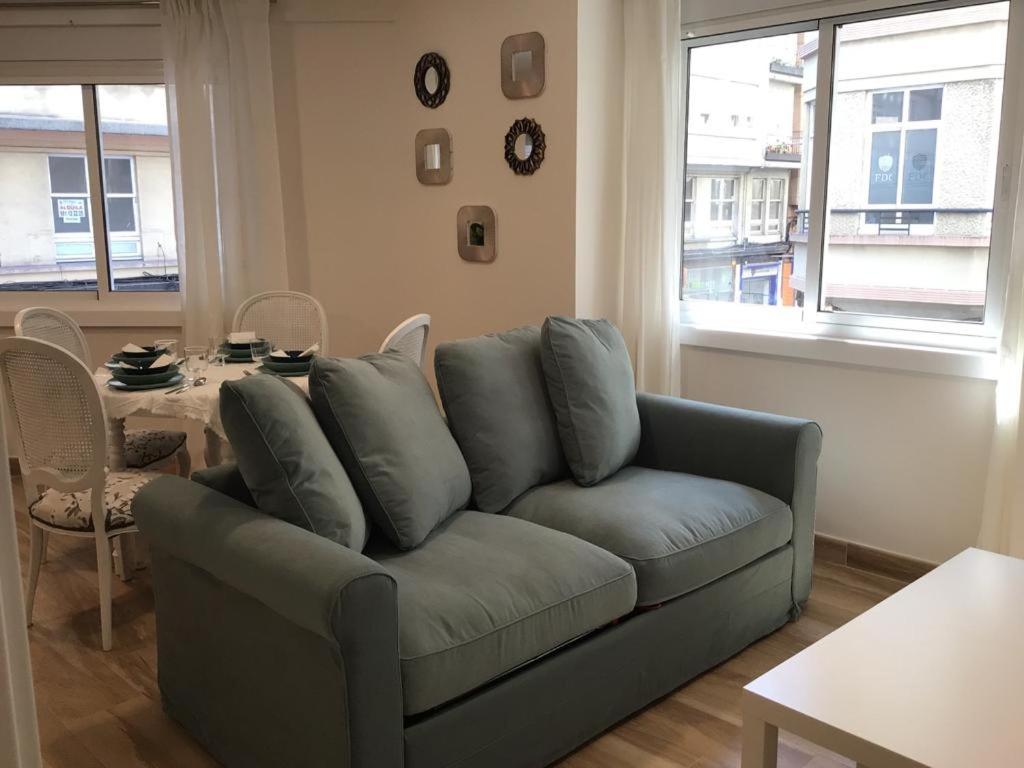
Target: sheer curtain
column 224, row 141
column 1002, row 525
column 652, row 191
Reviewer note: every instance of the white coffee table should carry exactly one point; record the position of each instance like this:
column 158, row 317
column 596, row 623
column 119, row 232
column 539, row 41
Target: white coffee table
column 932, row 676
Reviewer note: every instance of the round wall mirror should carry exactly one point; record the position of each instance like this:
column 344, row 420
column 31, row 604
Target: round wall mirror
column 524, row 146
column 431, row 79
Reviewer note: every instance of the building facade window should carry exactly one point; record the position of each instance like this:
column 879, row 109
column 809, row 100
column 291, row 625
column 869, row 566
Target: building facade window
column 723, row 200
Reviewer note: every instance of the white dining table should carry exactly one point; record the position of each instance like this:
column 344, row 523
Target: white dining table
column 200, row 404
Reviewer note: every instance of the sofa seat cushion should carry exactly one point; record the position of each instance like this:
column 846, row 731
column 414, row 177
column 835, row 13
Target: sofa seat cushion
column 678, row 531
column 486, row 593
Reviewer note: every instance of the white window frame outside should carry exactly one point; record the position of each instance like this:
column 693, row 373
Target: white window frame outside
column 773, row 224
column 716, row 203
column 757, row 223
column 689, row 198
column 102, row 307
column 966, row 348
column 127, row 235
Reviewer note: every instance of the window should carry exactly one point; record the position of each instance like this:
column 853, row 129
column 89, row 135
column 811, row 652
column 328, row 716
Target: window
column 688, row 204
column 896, row 212
column 723, row 200
column 75, row 155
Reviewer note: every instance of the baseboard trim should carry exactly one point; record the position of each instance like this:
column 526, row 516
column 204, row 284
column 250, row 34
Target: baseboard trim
column 829, row 549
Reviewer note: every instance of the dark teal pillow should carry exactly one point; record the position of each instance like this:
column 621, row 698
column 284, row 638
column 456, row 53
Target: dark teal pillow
column 493, row 390
column 590, row 380
column 286, row 461
column 382, row 420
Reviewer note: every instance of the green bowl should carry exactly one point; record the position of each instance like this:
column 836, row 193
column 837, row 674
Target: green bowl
column 145, row 378
column 285, row 367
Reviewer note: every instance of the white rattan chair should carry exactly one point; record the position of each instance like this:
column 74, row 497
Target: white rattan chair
column 143, row 448
column 409, row 338
column 287, row 319
column 60, row 428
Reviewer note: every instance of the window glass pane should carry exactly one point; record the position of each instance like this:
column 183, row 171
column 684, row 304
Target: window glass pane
column 926, row 104
column 776, row 189
column 729, row 254
column 137, row 182
column 46, row 240
column 118, row 175
column 887, row 107
column 910, row 207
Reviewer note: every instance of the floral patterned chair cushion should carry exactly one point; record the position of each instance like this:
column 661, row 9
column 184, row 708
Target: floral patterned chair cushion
column 142, row 447
column 71, row 510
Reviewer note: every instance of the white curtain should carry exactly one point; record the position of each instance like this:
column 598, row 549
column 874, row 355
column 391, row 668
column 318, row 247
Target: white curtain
column 1002, row 525
column 652, row 191
column 224, row 144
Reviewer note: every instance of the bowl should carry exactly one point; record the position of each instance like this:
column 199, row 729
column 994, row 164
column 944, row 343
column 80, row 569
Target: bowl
column 167, row 374
column 294, row 356
column 150, row 351
column 141, row 361
column 285, row 367
column 146, row 370
column 242, row 345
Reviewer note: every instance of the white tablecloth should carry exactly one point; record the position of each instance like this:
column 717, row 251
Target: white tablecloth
column 197, row 403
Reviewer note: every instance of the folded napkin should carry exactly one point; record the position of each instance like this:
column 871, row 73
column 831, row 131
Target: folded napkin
column 280, row 354
column 158, row 363
column 240, row 337
column 132, row 348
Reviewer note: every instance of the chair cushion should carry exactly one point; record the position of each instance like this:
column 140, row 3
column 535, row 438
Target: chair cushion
column 383, row 422
column 287, row 462
column 679, row 531
column 486, row 593
column 72, row 510
column 590, row 380
column 496, row 399
column 143, row 447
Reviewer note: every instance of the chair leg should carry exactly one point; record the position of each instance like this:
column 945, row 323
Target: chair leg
column 104, row 569
column 126, row 554
column 184, row 461
column 38, row 545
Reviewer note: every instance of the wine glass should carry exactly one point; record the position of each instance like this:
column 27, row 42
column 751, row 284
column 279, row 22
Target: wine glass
column 170, row 345
column 216, row 353
column 196, row 360
column 260, row 351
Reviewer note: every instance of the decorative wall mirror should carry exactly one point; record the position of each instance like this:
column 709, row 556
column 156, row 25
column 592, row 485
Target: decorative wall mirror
column 433, row 156
column 522, row 65
column 431, row 80
column 524, row 146
column 475, row 233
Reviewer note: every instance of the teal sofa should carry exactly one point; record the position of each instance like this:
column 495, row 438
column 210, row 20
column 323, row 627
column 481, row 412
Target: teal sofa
column 506, row 638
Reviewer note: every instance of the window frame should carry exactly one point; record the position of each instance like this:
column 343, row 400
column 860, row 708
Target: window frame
column 102, row 307
column 810, row 322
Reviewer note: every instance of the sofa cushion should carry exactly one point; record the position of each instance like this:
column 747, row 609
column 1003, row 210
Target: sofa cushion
column 486, row 593
column 496, row 399
column 590, row 380
column 678, row 531
column 382, row 420
column 289, row 467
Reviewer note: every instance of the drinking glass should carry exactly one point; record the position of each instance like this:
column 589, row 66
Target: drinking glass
column 196, row 360
column 216, row 352
column 260, row 351
column 170, row 344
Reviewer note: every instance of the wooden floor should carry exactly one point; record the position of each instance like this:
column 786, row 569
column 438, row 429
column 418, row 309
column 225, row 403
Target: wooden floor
column 102, row 710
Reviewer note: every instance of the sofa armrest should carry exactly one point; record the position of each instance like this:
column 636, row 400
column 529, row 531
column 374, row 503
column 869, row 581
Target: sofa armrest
column 774, row 454
column 322, row 617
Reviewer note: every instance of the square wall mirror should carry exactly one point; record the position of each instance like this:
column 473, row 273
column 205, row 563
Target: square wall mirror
column 475, row 233
column 522, row 65
column 433, row 156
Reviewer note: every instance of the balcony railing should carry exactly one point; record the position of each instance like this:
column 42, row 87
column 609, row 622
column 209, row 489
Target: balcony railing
column 890, row 221
column 786, row 150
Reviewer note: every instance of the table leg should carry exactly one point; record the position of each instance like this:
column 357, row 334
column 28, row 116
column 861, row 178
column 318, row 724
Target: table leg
column 115, row 447
column 125, row 545
column 760, row 743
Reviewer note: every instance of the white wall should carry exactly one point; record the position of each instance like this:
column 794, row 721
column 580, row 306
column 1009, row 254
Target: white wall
column 904, row 455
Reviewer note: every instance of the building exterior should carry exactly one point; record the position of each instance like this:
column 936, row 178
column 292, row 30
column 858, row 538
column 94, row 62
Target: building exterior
column 744, row 145
column 912, row 163
column 46, row 217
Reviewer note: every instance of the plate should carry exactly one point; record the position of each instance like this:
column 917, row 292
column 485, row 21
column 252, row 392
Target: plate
column 134, row 379
column 242, row 346
column 144, row 371
column 120, row 385
column 287, row 374
column 140, row 360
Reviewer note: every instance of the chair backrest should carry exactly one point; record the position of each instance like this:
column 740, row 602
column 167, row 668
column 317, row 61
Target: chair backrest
column 56, row 414
column 409, row 338
column 53, row 326
column 289, row 319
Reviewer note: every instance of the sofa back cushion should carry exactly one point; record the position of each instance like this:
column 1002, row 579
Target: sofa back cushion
column 494, row 393
column 590, row 380
column 286, row 461
column 381, row 418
